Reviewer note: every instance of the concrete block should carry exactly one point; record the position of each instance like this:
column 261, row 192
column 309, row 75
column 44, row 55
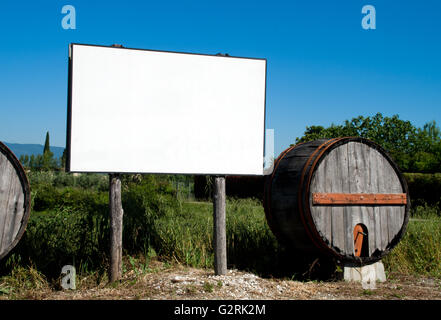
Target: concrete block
column 368, row 275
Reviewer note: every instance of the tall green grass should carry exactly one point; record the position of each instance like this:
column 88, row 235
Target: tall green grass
column 419, row 252
column 187, row 236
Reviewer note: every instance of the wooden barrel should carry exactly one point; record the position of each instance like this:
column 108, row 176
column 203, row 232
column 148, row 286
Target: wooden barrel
column 344, row 197
column 14, row 200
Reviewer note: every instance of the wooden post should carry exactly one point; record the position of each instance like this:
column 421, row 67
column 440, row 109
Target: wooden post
column 116, row 224
column 116, row 221
column 219, row 233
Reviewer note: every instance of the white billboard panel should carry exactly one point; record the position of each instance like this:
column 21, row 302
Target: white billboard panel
column 142, row 111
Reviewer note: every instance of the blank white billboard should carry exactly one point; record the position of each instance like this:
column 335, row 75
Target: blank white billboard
column 143, row 111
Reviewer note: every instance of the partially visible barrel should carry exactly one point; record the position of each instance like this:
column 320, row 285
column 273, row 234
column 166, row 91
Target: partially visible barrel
column 344, row 197
column 15, row 200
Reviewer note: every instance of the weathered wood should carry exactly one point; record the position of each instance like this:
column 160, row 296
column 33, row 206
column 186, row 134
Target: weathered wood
column 14, row 200
column 320, row 190
column 396, row 216
column 374, row 211
column 341, row 214
column 359, row 198
column 383, row 218
column 219, row 227
column 355, row 186
column 364, row 164
column 116, row 225
column 321, row 183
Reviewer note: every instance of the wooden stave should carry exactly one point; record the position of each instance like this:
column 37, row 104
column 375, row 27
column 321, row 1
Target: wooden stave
column 27, row 196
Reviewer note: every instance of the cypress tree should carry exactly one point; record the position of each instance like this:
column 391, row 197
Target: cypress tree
column 46, row 144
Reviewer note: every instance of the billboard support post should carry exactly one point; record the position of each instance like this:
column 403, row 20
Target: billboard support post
column 219, row 232
column 116, row 222
column 116, row 226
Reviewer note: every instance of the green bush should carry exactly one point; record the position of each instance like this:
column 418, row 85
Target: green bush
column 424, row 188
column 65, row 236
column 59, row 179
column 50, row 198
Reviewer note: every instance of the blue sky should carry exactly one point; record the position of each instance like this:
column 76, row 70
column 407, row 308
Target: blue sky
column 323, row 67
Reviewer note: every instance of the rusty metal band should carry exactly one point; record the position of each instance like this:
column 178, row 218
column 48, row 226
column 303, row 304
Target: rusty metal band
column 330, row 199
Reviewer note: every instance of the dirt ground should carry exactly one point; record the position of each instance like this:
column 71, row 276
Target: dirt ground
column 179, row 282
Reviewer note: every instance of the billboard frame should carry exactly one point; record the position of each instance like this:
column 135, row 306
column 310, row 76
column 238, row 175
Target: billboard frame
column 69, row 107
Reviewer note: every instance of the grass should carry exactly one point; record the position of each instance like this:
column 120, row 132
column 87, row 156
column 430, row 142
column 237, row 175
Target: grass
column 23, row 283
column 208, row 287
column 186, row 237
column 367, row 292
column 419, row 252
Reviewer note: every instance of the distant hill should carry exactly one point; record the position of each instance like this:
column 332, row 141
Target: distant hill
column 28, row 149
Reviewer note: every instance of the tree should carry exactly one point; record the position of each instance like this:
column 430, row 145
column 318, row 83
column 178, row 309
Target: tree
column 46, row 144
column 414, row 150
column 48, row 162
column 45, row 161
column 23, row 160
column 427, row 156
column 392, row 133
column 32, row 163
column 63, row 159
